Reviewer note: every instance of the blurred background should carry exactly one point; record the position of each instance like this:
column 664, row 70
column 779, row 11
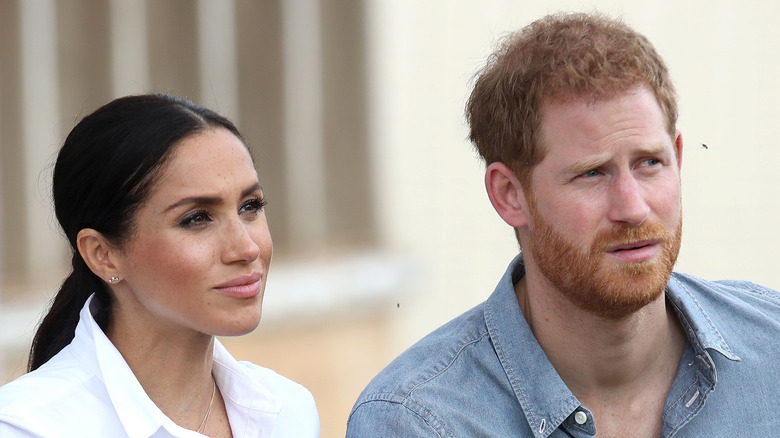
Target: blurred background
column 354, row 112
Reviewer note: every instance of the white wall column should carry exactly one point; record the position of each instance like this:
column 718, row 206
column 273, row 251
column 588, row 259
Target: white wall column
column 129, row 48
column 303, row 121
column 41, row 133
column 218, row 57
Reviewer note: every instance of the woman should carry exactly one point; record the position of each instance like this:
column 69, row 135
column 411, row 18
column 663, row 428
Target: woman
column 161, row 204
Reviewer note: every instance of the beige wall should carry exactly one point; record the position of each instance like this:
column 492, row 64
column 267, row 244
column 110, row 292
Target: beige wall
column 723, row 59
column 417, row 241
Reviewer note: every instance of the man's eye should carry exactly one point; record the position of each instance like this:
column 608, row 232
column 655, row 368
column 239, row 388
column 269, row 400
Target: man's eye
column 591, row 173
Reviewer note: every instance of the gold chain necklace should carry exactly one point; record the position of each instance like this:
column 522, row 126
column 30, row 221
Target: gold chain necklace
column 211, row 403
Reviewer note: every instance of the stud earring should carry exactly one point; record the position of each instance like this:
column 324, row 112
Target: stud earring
column 113, row 279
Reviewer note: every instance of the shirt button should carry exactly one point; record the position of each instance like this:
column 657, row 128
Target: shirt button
column 580, row 417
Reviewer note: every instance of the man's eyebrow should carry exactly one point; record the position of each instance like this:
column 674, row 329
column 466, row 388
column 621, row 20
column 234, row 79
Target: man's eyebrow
column 211, row 200
column 595, row 162
column 586, row 165
column 653, row 149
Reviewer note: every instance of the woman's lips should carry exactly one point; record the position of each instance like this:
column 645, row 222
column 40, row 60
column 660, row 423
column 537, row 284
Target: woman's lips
column 244, row 286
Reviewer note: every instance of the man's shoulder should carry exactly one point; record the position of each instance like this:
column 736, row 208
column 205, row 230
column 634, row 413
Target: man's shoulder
column 413, row 395
column 735, row 310
column 428, row 358
column 732, row 328
column 734, row 292
column 456, row 381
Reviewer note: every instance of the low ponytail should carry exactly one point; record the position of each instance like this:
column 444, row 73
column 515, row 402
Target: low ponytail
column 59, row 325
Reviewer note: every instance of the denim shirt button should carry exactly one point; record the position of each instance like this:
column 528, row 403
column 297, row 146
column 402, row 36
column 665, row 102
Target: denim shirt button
column 580, row 417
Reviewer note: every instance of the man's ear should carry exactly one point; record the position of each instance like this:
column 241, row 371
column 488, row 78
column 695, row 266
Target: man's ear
column 506, row 194
column 98, row 254
column 678, row 146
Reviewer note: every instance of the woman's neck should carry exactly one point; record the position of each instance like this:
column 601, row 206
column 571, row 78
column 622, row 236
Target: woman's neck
column 174, row 367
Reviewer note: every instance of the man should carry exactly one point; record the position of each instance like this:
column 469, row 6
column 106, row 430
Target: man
column 589, row 331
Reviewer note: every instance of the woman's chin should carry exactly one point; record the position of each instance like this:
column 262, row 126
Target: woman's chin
column 240, row 325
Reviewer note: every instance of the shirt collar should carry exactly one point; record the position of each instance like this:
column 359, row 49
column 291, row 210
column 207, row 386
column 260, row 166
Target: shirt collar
column 136, row 411
column 545, row 405
column 251, row 407
column 699, row 327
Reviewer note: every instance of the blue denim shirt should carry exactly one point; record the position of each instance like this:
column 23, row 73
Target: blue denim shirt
column 484, row 375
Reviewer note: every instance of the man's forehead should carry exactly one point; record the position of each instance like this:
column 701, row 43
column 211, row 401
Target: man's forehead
column 632, row 119
column 590, row 97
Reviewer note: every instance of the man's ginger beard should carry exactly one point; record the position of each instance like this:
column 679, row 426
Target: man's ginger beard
column 590, row 279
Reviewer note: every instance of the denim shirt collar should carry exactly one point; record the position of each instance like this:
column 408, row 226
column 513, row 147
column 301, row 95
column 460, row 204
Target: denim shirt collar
column 699, row 327
column 549, row 404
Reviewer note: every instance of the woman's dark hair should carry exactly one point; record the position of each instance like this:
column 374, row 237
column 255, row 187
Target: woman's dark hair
column 103, row 174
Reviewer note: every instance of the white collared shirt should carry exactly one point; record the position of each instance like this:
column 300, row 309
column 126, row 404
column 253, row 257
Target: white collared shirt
column 88, row 390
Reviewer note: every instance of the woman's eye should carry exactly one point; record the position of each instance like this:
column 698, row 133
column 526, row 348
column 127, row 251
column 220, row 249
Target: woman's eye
column 253, row 206
column 196, row 219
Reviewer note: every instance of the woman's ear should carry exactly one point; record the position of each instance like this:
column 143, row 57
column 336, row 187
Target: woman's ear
column 506, row 194
column 98, row 254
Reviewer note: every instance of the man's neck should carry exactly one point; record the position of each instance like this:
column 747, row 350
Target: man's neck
column 611, row 366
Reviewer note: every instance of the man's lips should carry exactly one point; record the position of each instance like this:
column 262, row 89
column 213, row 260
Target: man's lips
column 633, row 245
column 635, row 252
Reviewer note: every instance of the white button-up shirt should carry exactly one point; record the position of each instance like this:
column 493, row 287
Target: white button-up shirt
column 88, row 390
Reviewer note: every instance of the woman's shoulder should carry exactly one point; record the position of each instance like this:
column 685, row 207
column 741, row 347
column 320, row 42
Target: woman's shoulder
column 58, row 378
column 59, row 394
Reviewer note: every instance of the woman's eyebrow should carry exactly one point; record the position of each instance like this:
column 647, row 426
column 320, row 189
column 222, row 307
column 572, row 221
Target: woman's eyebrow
column 210, row 200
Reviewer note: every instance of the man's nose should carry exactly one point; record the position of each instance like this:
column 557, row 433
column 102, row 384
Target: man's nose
column 627, row 201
